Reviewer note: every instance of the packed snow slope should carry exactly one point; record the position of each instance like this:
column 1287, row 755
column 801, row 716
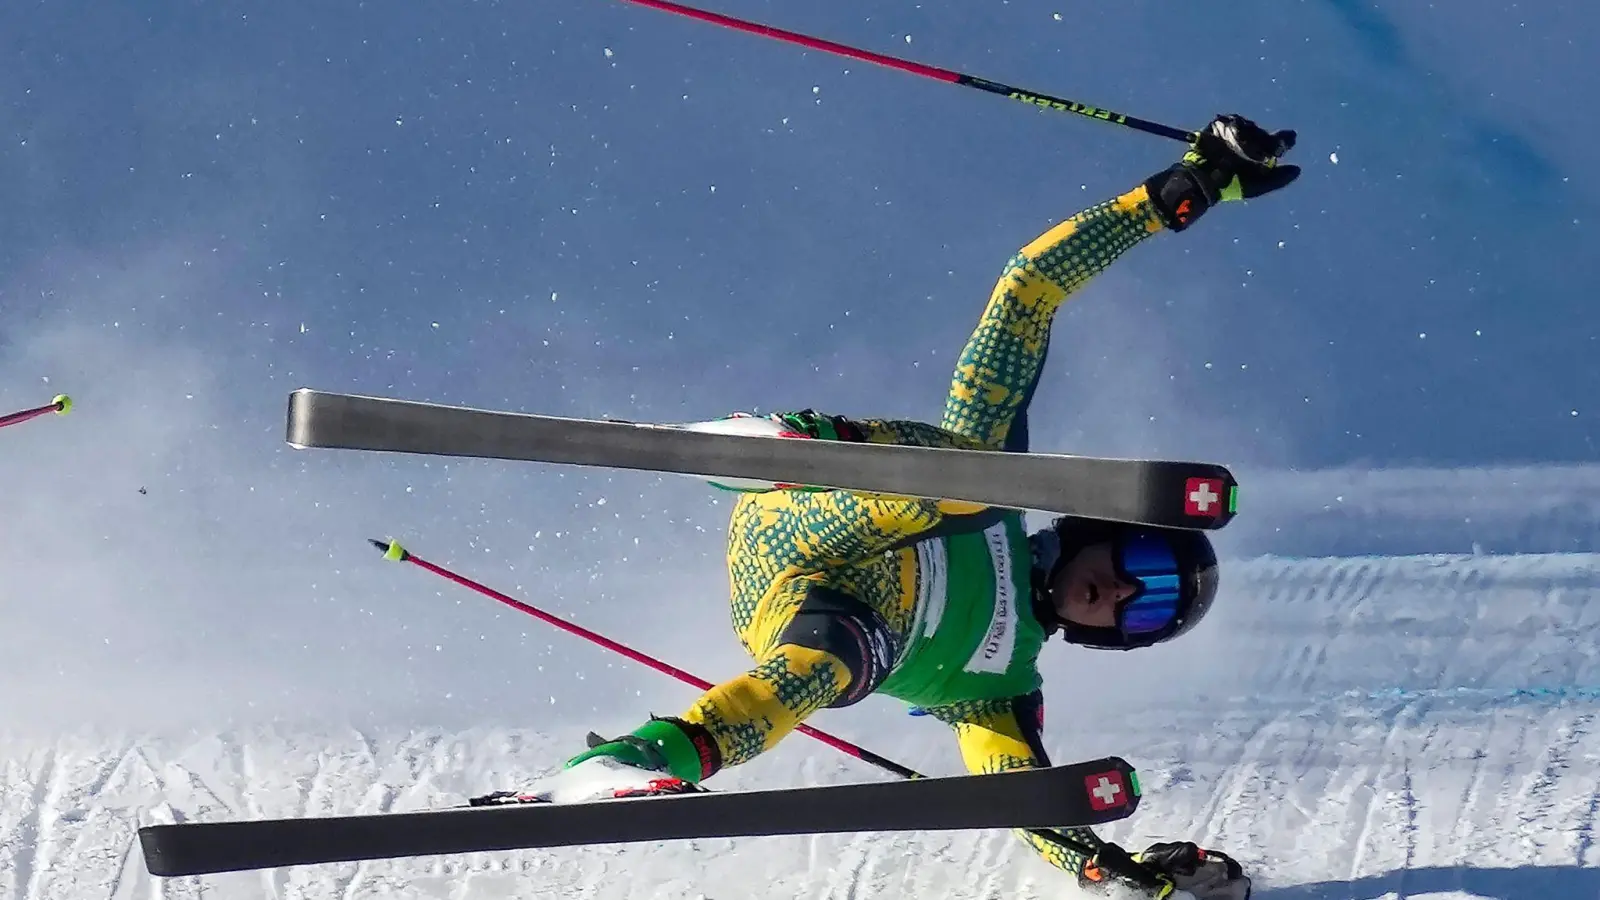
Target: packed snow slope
column 1350, row 728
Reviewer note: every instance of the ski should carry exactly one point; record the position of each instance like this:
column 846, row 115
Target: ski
column 1083, row 793
column 1170, row 493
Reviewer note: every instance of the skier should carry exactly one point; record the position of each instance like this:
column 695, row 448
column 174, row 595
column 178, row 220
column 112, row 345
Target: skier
column 946, row 605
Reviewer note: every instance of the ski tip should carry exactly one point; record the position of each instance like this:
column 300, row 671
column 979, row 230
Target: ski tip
column 62, row 403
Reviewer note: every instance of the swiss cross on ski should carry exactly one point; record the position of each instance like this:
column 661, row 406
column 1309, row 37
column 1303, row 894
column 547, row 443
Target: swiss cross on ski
column 1203, row 497
column 1106, row 790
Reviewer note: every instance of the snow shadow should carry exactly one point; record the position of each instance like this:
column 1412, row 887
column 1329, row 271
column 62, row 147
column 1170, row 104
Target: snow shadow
column 1521, row 883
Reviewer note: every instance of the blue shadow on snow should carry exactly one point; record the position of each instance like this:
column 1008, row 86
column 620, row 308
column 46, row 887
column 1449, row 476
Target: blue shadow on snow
column 1524, row 883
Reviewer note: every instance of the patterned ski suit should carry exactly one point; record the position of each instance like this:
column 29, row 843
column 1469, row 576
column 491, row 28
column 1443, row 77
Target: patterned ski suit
column 839, row 595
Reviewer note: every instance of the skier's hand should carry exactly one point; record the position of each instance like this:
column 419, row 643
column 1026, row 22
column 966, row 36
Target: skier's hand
column 1239, row 159
column 1203, row 874
column 1114, row 865
column 1232, row 158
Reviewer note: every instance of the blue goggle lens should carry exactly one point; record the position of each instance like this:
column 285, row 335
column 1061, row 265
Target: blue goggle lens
column 1148, row 560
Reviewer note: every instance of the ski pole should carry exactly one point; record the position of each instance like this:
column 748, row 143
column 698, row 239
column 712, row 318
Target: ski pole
column 61, row 405
column 1033, row 98
column 394, row 552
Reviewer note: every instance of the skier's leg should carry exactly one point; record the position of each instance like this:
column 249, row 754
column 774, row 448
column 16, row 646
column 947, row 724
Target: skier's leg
column 818, row 646
column 809, row 424
column 822, row 647
column 778, row 535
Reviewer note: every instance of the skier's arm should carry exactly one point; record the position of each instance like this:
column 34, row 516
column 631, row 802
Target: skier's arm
column 999, row 367
column 1231, row 159
column 999, row 735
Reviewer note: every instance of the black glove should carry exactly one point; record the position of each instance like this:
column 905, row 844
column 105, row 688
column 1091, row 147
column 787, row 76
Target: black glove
column 1233, row 158
column 1205, row 874
column 1113, row 865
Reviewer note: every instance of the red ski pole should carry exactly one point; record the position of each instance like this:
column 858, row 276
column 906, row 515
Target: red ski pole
column 393, row 551
column 61, row 405
column 1033, row 98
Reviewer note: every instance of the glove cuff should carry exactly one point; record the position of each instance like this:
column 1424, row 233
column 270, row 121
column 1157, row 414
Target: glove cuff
column 1180, row 194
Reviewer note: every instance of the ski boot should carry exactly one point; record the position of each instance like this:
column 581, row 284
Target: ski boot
column 806, row 424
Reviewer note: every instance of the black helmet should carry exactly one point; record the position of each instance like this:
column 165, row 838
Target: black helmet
column 1175, row 568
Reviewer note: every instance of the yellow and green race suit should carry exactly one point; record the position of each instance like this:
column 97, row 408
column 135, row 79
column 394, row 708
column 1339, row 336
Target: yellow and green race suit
column 839, row 595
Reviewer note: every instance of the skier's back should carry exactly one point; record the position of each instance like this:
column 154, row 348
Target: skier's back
column 946, row 605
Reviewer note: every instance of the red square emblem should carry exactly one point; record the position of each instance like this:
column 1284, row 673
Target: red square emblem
column 1203, row 497
column 1106, row 790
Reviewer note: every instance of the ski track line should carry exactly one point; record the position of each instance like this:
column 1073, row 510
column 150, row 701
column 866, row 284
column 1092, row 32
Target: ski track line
column 1243, row 778
column 1355, row 779
column 74, row 820
column 272, row 880
column 1546, row 784
column 343, row 878
column 1586, row 827
column 30, row 863
column 852, row 877
column 1471, row 792
column 161, row 888
column 125, row 859
column 1408, row 795
column 369, row 747
column 1403, row 721
column 1535, row 800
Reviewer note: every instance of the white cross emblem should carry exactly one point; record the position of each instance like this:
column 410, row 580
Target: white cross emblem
column 1105, row 791
column 1202, row 497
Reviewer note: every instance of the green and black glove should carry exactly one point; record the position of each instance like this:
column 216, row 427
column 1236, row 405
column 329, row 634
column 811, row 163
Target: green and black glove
column 1232, row 158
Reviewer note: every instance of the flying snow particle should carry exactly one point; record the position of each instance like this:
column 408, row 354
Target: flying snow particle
column 1333, row 158
column 609, row 54
column 908, row 38
column 816, row 89
column 1280, row 245
column 1056, row 16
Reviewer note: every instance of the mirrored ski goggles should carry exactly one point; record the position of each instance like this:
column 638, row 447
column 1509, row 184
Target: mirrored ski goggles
column 1147, row 561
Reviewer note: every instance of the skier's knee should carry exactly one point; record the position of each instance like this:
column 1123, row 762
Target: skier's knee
column 836, row 623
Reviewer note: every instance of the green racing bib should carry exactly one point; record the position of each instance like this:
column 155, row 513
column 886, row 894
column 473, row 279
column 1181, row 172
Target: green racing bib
column 973, row 635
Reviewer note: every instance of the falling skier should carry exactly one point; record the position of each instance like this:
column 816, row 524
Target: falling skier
column 946, row 605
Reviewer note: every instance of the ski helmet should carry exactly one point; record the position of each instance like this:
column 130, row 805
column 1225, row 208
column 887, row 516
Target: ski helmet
column 1175, row 569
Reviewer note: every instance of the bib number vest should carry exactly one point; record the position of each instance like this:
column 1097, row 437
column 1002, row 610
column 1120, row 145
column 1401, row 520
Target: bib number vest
column 973, row 635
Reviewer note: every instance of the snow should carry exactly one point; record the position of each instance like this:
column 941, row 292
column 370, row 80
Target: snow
column 1361, row 727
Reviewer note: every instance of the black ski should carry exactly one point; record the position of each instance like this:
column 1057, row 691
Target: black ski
column 1154, row 492
column 1085, row 793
